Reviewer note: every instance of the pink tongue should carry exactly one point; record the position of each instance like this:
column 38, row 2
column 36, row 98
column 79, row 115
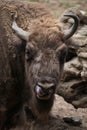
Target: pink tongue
column 39, row 91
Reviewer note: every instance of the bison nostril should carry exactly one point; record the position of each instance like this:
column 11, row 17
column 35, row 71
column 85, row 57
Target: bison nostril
column 51, row 90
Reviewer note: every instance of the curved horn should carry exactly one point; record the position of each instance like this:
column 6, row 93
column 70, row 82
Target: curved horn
column 20, row 32
column 73, row 29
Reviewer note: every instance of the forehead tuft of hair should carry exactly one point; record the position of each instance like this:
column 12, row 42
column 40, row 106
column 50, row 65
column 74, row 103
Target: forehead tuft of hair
column 47, row 33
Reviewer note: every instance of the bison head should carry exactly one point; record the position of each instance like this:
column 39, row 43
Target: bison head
column 45, row 55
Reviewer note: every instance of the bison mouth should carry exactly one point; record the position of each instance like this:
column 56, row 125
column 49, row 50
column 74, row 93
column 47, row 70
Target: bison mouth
column 43, row 93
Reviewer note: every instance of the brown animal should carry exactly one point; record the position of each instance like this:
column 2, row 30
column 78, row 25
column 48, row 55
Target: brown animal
column 40, row 66
column 45, row 53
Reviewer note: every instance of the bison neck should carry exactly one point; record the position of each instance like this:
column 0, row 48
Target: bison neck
column 42, row 108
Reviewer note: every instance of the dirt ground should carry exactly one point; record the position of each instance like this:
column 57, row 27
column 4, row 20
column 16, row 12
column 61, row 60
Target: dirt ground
column 64, row 109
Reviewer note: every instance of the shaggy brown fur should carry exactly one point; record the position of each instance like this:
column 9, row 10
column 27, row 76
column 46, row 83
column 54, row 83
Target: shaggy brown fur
column 40, row 60
column 44, row 43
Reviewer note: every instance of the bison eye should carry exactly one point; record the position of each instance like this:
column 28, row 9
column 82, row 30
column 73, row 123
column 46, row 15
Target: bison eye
column 29, row 54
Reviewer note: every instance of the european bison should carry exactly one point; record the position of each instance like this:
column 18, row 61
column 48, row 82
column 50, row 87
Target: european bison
column 39, row 68
column 45, row 53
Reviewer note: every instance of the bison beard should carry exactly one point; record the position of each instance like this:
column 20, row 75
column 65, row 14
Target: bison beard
column 41, row 108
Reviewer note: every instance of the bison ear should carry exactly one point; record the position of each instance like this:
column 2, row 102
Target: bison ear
column 20, row 32
column 61, row 53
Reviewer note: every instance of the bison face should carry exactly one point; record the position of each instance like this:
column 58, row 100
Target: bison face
column 43, row 69
column 45, row 55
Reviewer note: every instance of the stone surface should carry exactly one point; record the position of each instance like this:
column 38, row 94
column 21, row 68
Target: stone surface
column 74, row 82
